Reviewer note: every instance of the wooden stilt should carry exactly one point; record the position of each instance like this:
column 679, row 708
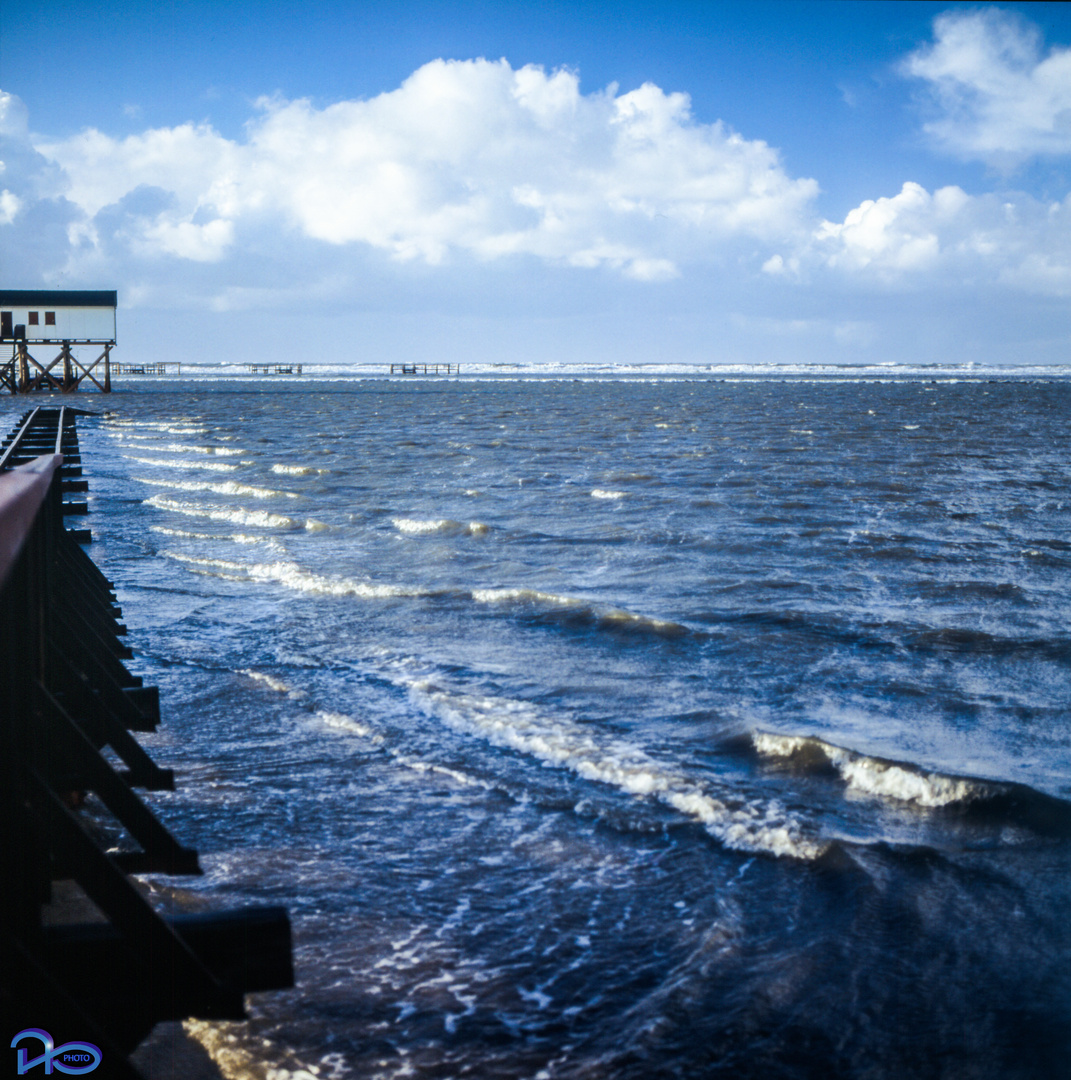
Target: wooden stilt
column 69, row 381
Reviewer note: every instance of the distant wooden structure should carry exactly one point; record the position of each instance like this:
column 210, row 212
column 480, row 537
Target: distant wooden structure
column 275, row 369
column 146, row 369
column 44, row 317
column 425, row 369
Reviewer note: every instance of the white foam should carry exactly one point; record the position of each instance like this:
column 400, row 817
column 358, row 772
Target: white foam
column 257, row 518
column 151, row 442
column 228, row 487
column 874, row 776
column 572, row 603
column 557, row 740
column 440, row 770
column 501, row 596
column 269, row 681
column 297, row 470
column 342, row 722
column 294, row 577
column 602, row 493
column 418, row 527
column 235, row 538
column 172, row 428
column 172, row 463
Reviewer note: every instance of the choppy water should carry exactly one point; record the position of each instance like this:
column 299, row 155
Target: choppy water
column 611, row 728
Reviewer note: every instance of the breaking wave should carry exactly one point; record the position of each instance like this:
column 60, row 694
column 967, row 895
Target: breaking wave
column 228, row 487
column 270, row 681
column 258, row 518
column 342, row 722
column 579, row 610
column 297, row 470
column 907, row 783
column 733, row 820
column 294, row 577
column 172, row 463
column 418, row 527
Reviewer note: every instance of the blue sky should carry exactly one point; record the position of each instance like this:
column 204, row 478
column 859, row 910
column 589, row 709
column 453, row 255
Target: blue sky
column 716, row 182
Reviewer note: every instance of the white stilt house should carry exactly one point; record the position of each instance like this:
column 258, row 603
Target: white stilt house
column 36, row 317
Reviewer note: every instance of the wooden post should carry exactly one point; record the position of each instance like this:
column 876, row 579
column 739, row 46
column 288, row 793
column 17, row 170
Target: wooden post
column 23, row 377
column 107, row 369
column 69, row 381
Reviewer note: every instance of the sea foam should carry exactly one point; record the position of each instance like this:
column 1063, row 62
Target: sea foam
column 876, row 776
column 560, row 741
column 419, row 527
column 228, row 487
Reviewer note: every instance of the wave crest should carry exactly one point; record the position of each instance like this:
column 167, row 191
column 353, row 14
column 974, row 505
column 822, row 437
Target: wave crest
column 228, row 487
column 258, row 518
column 736, row 822
column 580, row 610
column 418, row 527
column 903, row 782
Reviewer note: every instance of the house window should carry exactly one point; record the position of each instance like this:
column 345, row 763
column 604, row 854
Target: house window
column 33, row 318
column 50, row 318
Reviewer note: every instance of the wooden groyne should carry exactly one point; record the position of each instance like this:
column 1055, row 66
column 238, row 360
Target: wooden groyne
column 274, row 369
column 160, row 368
column 68, row 706
column 425, row 369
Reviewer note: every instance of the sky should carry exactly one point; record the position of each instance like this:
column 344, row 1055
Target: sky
column 757, row 182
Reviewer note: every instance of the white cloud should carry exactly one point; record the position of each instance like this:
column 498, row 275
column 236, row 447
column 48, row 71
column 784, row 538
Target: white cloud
column 13, row 115
column 502, row 171
column 950, row 238
column 465, row 157
column 10, row 204
column 999, row 98
column 199, row 243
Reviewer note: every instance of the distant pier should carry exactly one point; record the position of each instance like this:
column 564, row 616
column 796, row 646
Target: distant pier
column 146, row 369
column 425, row 369
column 274, row 369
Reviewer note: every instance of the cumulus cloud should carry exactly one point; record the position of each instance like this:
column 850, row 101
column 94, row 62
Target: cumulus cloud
column 14, row 119
column 999, row 97
column 475, row 162
column 10, row 204
column 469, row 157
column 944, row 238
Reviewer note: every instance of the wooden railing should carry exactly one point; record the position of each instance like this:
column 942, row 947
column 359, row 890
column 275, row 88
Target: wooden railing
column 65, row 698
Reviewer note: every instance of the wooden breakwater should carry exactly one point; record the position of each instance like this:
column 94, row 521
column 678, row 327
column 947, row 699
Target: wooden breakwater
column 71, row 821
column 425, row 369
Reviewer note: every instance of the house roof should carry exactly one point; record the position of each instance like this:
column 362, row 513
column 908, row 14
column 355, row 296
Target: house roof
column 27, row 298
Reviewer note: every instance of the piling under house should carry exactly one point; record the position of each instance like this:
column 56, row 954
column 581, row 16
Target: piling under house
column 40, row 319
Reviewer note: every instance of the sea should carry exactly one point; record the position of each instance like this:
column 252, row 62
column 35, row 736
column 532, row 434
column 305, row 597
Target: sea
column 600, row 723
